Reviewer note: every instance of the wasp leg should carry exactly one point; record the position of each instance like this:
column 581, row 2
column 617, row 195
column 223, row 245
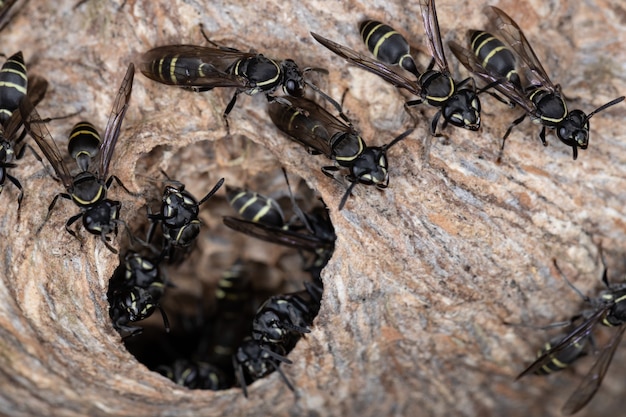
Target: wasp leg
column 229, row 107
column 507, row 133
column 69, row 223
column 433, row 124
column 50, row 208
column 329, row 170
column 17, row 184
column 121, row 184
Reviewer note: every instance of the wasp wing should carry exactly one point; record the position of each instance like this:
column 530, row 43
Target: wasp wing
column 276, row 235
column 507, row 88
column 574, row 337
column 375, row 67
column 592, row 381
column 511, row 34
column 307, row 123
column 37, row 87
column 193, row 66
column 431, row 28
column 40, row 133
column 5, row 16
column 116, row 117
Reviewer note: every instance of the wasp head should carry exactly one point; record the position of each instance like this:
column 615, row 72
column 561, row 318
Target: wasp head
column 463, row 110
column 574, row 130
column 293, row 83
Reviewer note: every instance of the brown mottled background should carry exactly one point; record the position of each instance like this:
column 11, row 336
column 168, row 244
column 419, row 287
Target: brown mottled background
column 424, row 274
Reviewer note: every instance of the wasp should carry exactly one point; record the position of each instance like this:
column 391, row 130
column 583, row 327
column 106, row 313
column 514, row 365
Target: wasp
column 179, row 215
column 277, row 326
column 195, row 375
column 609, row 309
column 310, row 125
column 282, row 319
column 507, row 62
column 457, row 102
column 88, row 188
column 251, row 363
column 135, row 291
column 202, row 68
column 234, row 311
column 255, row 207
column 563, row 358
column 263, row 219
column 14, row 86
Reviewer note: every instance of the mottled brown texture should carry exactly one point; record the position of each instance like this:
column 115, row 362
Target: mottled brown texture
column 424, row 274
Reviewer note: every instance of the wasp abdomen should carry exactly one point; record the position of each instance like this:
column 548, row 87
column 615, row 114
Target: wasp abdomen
column 84, row 144
column 387, row 45
column 13, row 83
column 494, row 56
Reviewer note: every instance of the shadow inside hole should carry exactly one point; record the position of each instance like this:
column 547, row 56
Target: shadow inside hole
column 236, row 305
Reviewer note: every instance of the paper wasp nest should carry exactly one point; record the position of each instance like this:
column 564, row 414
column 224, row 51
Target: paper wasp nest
column 425, row 274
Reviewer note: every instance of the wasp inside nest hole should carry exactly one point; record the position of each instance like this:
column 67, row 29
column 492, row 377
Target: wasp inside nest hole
column 234, row 300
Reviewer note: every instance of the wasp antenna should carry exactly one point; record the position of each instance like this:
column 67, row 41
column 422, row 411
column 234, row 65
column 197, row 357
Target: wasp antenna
column 166, row 322
column 571, row 285
column 315, row 69
column 398, row 138
column 296, row 208
column 213, row 191
column 604, row 106
column 326, row 97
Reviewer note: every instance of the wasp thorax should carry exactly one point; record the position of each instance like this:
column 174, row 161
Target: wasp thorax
column 87, row 189
column 437, row 86
column 550, row 107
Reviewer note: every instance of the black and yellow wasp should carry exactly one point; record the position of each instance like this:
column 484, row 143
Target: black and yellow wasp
column 135, row 291
column 15, row 85
column 88, row 188
column 310, row 125
column 262, row 218
column 507, row 62
column 608, row 309
column 565, row 357
column 457, row 102
column 202, row 68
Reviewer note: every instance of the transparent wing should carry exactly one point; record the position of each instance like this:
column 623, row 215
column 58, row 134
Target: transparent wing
column 193, row 66
column 592, row 381
column 468, row 59
column 37, row 87
column 40, row 133
column 509, row 32
column 276, row 235
column 574, row 337
column 431, row 28
column 306, row 122
column 375, row 67
column 112, row 130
